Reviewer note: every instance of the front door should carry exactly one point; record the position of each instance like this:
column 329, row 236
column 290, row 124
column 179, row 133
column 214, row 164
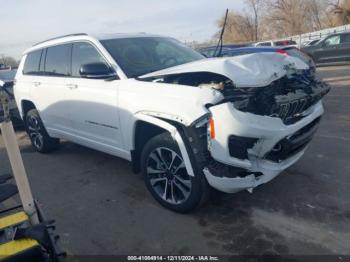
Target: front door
column 93, row 103
column 328, row 50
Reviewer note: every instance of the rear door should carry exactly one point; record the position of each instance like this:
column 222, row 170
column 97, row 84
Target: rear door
column 344, row 48
column 48, row 88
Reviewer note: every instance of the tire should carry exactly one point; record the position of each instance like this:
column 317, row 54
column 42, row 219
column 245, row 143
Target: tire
column 41, row 141
column 164, row 171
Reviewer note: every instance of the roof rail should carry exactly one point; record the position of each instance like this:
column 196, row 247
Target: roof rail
column 58, row 37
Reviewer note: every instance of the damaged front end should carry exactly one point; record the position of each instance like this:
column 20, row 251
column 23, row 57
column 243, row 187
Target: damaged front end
column 287, row 98
column 270, row 110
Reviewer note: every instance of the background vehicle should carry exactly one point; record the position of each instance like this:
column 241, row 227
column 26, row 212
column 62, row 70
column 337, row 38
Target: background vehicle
column 287, row 51
column 332, row 49
column 212, row 50
column 7, row 77
column 184, row 121
column 4, row 67
column 277, row 43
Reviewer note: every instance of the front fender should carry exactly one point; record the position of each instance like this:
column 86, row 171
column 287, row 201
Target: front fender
column 173, row 132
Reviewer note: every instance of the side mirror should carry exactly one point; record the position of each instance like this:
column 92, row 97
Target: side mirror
column 96, row 71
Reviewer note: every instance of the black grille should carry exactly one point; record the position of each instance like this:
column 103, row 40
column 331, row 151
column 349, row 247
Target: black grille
column 287, row 98
column 312, row 91
column 292, row 145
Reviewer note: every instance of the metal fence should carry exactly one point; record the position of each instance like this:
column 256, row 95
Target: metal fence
column 319, row 34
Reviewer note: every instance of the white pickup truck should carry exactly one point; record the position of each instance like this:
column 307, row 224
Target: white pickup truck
column 184, row 121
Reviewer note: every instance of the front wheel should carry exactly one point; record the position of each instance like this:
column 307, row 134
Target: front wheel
column 166, row 177
column 38, row 135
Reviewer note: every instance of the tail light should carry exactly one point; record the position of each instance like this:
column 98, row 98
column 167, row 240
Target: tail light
column 282, row 52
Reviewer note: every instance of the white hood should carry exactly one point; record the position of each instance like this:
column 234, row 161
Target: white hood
column 253, row 70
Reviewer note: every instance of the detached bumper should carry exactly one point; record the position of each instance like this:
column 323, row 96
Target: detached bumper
column 276, row 146
column 267, row 172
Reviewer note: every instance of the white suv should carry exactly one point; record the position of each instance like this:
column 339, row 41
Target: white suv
column 185, row 121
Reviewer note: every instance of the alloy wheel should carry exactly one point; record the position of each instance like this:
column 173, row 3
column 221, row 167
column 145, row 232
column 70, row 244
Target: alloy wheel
column 167, row 175
column 34, row 131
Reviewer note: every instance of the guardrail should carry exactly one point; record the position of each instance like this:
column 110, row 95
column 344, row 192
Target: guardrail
column 316, row 34
column 320, row 34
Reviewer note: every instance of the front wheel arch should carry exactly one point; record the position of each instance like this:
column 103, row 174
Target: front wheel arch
column 176, row 134
column 144, row 131
column 26, row 105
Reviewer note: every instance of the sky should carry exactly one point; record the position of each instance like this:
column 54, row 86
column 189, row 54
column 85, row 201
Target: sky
column 25, row 22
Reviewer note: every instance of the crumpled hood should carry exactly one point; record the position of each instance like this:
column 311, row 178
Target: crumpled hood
column 253, row 70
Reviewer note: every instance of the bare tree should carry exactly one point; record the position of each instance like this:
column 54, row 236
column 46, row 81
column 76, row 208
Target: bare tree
column 243, row 26
column 317, row 10
column 255, row 6
column 266, row 19
column 286, row 16
column 239, row 27
column 291, row 17
column 7, row 60
column 341, row 12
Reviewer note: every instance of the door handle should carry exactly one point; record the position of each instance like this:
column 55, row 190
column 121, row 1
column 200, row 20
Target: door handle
column 36, row 83
column 72, row 86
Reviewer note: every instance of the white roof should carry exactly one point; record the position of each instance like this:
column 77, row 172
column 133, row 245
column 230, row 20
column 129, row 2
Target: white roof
column 123, row 35
column 83, row 36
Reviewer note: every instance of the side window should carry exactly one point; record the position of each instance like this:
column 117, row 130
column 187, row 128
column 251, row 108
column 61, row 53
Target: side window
column 279, row 43
column 345, row 39
column 264, row 44
column 31, row 65
column 58, row 60
column 333, row 40
column 84, row 53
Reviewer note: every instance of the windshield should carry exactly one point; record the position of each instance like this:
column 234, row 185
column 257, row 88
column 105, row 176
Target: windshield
column 142, row 55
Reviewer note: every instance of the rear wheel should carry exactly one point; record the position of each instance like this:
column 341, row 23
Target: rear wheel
column 38, row 135
column 166, row 176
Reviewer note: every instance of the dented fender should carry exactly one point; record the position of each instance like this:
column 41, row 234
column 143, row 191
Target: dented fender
column 173, row 132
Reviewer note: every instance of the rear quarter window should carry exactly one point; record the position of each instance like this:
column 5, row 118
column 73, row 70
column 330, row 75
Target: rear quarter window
column 31, row 64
